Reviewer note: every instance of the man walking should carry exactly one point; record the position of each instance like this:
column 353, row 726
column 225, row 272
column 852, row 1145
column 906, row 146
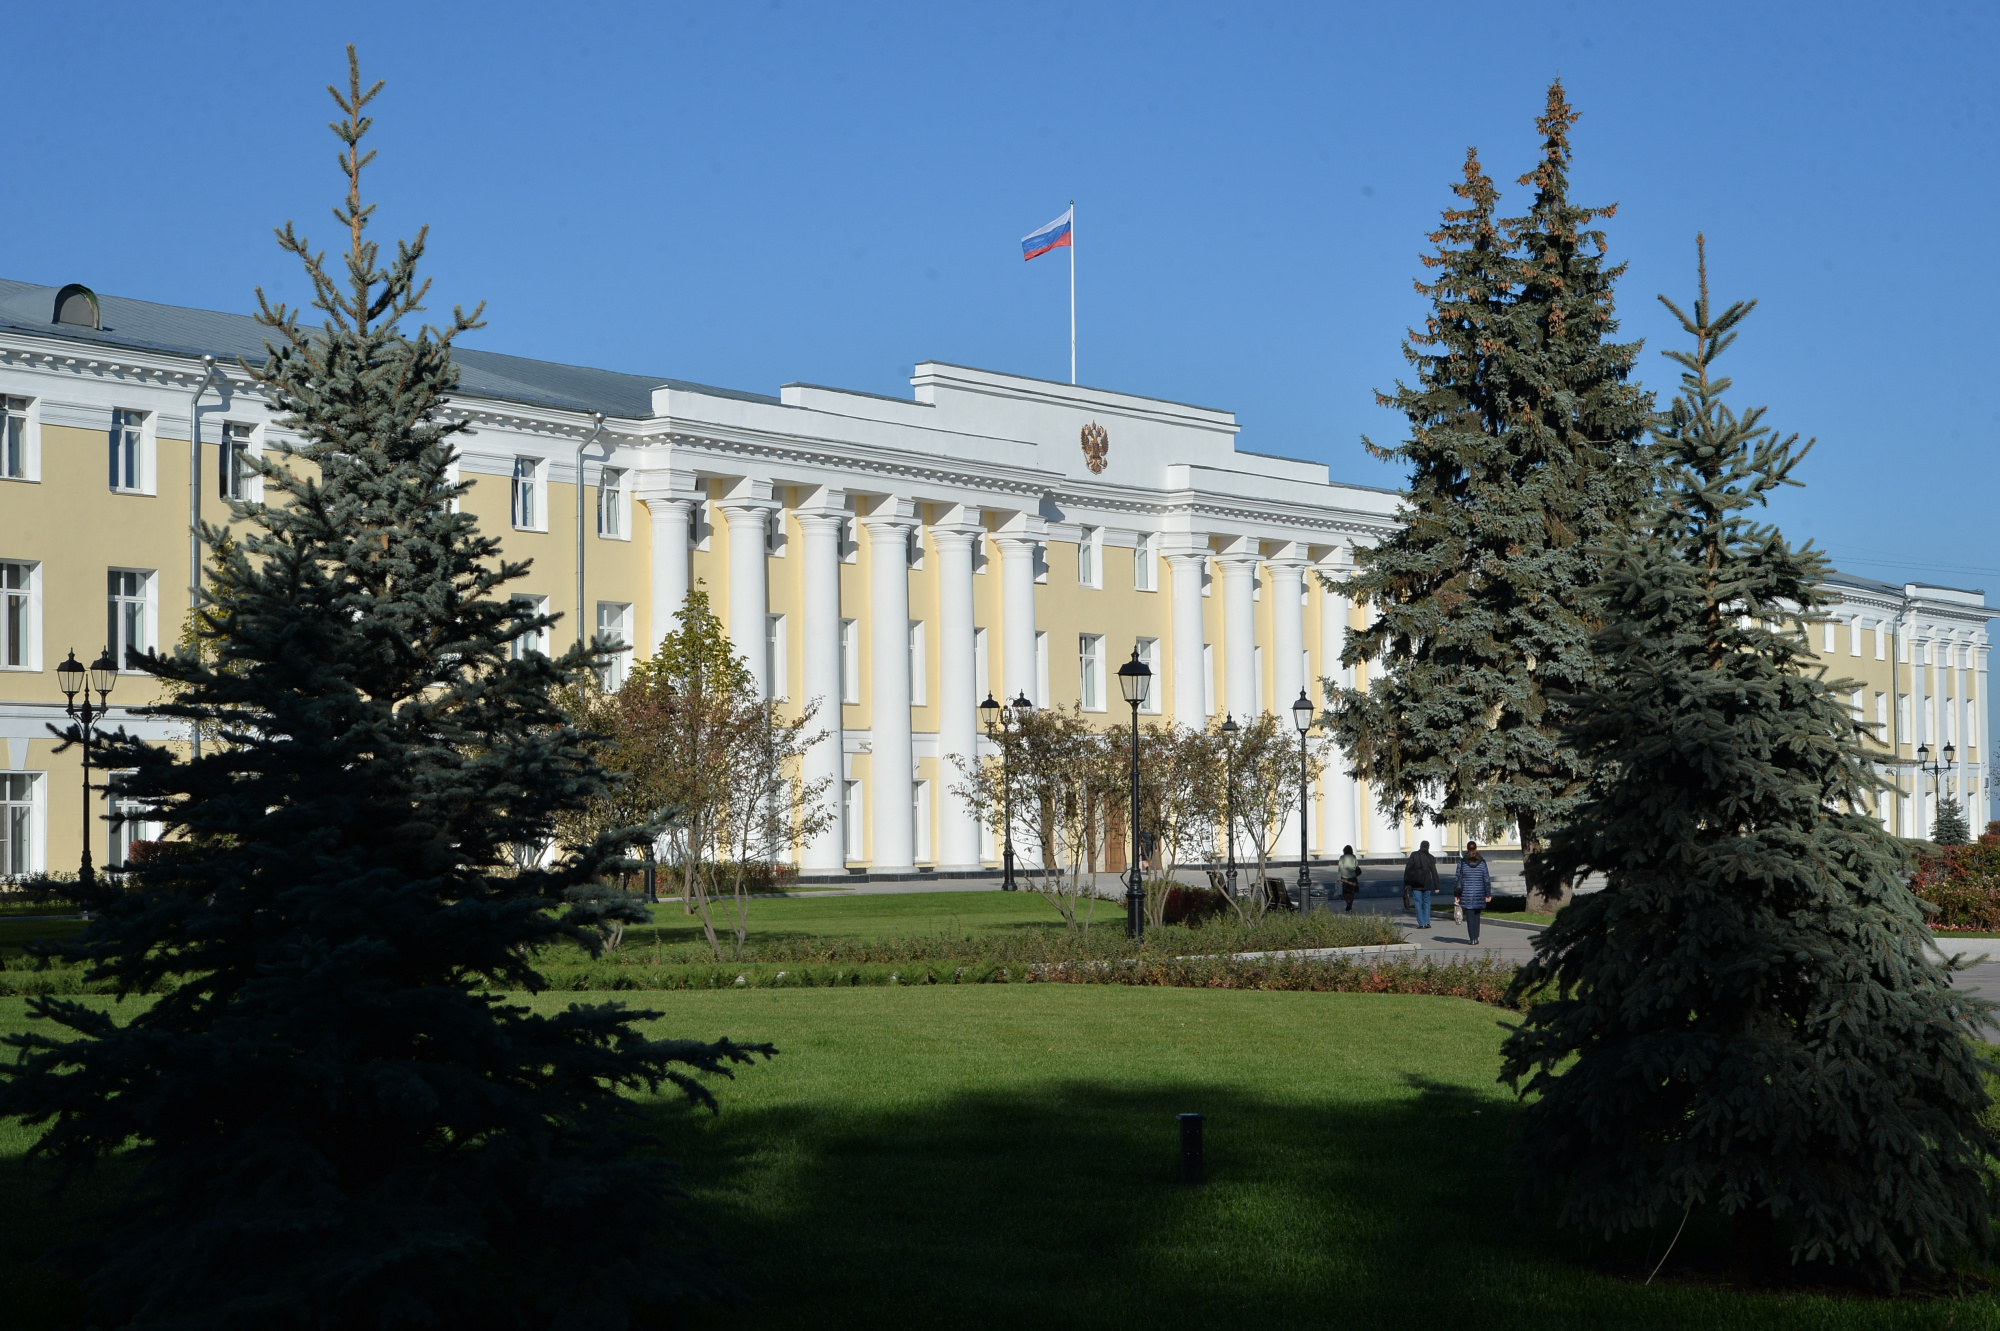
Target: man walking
column 1475, row 886
column 1420, row 879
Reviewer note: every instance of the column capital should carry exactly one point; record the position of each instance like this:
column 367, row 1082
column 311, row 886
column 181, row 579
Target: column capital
column 674, row 486
column 821, row 520
column 748, row 494
column 1290, row 555
column 663, row 505
column 892, row 513
column 1024, row 527
column 960, row 520
column 825, row 499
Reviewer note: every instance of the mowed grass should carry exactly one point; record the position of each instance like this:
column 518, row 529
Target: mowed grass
column 889, row 915
column 1008, row 1155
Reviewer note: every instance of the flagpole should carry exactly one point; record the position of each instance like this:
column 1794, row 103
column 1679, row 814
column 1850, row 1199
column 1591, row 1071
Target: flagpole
column 1072, row 293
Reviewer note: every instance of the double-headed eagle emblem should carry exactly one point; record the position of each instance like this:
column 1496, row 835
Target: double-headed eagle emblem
column 1096, row 443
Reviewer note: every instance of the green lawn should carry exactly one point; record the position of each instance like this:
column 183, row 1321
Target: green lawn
column 883, row 916
column 1006, row 1155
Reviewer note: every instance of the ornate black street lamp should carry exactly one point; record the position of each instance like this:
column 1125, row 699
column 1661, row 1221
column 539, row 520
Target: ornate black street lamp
column 1229, row 729
column 70, row 678
column 1302, row 717
column 1001, row 720
column 1135, row 681
column 1937, row 769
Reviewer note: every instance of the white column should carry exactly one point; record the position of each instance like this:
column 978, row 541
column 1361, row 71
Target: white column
column 1239, row 560
column 891, row 766
column 1288, row 625
column 821, row 518
column 1920, row 724
column 1337, row 789
column 749, row 514
column 1188, row 558
column 1019, row 539
column 670, row 498
column 958, row 692
column 1981, row 772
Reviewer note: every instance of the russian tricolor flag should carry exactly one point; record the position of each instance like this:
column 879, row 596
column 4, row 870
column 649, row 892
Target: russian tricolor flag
column 1054, row 236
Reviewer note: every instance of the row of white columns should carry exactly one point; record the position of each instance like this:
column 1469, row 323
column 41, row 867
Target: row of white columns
column 1963, row 779
column 747, row 506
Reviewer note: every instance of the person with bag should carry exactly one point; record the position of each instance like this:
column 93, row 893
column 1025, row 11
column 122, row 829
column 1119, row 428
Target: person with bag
column 1350, row 876
column 1420, row 879
column 1473, row 890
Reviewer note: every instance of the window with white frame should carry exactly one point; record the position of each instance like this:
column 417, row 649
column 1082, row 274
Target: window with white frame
column 129, row 469
column 919, row 677
column 1090, row 671
column 129, row 619
column 1042, row 669
column 850, row 662
column 20, row 824
column 611, row 503
column 614, row 626
column 236, row 474
column 982, row 677
column 1903, row 719
column 1854, row 637
column 527, row 504
column 850, row 817
column 1856, row 705
column 1149, row 656
column 1882, row 716
column 20, row 615
column 776, row 667
column 1145, row 564
column 1087, row 561
column 1881, row 642
column 16, row 441
column 126, row 828
column 920, row 819
column 528, row 606
column 1827, row 641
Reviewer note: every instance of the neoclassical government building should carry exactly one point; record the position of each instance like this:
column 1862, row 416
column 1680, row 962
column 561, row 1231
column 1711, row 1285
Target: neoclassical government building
column 898, row 559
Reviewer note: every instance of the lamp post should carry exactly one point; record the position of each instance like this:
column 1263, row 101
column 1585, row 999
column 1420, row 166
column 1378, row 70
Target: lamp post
column 70, row 678
column 1936, row 769
column 999, row 719
column 1135, row 681
column 1302, row 717
column 1229, row 729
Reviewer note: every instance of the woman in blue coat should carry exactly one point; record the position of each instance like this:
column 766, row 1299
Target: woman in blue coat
column 1475, row 886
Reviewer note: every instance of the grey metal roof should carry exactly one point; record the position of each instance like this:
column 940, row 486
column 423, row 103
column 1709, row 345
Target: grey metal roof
column 176, row 330
column 1896, row 588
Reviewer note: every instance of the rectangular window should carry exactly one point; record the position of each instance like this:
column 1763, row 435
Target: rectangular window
column 1882, row 717
column 775, row 665
column 920, row 820
column 20, row 842
column 20, row 616
column 611, row 503
column 125, row 830
column 1854, row 637
column 534, row 640
column 527, row 495
column 1090, row 671
column 850, row 663
column 15, row 465
column 235, row 475
column 128, row 626
column 614, row 625
column 1086, row 557
column 1856, row 705
column 919, row 680
column 128, row 450
column 850, row 814
column 1903, row 719
column 1144, row 565
column 1149, row 654
column 1827, row 640
column 1208, row 679
column 982, row 678
column 1881, row 642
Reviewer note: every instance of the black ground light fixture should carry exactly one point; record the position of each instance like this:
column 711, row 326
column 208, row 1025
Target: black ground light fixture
column 1302, row 717
column 1135, row 681
column 1229, row 729
column 70, row 678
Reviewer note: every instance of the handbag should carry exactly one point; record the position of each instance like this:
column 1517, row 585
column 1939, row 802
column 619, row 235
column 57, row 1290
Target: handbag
column 1457, row 912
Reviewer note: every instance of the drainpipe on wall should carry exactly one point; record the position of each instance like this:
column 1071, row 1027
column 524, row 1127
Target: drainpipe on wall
column 596, row 424
column 194, row 502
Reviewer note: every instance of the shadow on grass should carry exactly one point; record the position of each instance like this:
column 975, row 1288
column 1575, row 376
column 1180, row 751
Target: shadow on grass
column 1060, row 1206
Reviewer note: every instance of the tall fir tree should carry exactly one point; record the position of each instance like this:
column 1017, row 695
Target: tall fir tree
column 336, row 1116
column 1525, row 451
column 1746, row 1016
column 1950, row 827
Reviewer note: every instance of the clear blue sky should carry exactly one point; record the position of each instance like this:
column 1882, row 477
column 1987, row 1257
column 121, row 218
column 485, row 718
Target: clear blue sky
column 748, row 195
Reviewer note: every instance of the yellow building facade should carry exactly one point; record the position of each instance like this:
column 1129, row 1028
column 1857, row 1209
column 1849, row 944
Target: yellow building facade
column 898, row 559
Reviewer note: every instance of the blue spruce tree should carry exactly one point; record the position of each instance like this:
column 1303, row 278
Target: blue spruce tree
column 1746, row 1017
column 335, row 1117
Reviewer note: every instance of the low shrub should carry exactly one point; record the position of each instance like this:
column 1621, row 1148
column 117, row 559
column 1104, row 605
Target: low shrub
column 1194, row 905
column 1963, row 882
